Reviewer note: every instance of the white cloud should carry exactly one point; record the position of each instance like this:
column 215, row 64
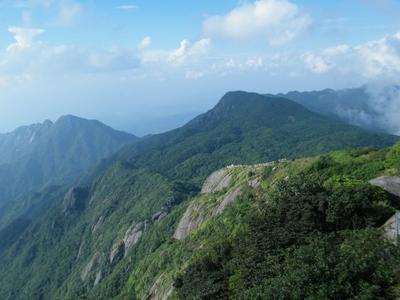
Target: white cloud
column 200, row 47
column 127, row 7
column 145, row 43
column 384, row 101
column 178, row 55
column 27, row 58
column 374, row 59
column 315, row 64
column 24, row 37
column 186, row 50
column 255, row 62
column 194, row 75
column 69, row 12
column 276, row 21
column 337, row 50
column 381, row 57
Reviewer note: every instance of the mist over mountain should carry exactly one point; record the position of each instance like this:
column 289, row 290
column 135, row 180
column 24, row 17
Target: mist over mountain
column 374, row 107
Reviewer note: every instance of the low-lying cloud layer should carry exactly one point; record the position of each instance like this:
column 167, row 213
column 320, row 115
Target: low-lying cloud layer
column 384, row 101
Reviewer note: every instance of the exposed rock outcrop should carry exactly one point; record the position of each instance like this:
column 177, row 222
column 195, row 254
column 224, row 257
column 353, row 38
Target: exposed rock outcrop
column 75, row 200
column 158, row 216
column 157, row 292
column 391, row 184
column 231, row 197
column 196, row 215
column 99, row 277
column 117, row 252
column 391, row 228
column 254, row 183
column 80, row 251
column 217, row 181
column 98, row 224
column 132, row 236
column 192, row 219
column 94, row 261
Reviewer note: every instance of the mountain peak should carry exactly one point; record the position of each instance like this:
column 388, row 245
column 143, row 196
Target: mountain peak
column 238, row 98
column 71, row 118
column 251, row 110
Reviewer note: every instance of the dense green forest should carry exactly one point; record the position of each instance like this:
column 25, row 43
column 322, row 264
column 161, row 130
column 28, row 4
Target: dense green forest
column 143, row 227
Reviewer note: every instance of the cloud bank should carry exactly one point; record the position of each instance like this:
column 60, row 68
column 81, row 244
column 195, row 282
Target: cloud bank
column 275, row 21
column 372, row 60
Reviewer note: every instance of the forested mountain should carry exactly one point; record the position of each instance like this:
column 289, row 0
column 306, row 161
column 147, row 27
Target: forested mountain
column 144, row 226
column 43, row 155
column 370, row 108
column 246, row 128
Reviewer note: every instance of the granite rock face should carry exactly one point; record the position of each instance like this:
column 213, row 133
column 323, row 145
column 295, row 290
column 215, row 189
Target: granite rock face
column 198, row 213
column 94, row 261
column 390, row 184
column 230, row 198
column 217, row 181
column 157, row 292
column 391, row 228
column 132, row 236
column 117, row 252
column 191, row 220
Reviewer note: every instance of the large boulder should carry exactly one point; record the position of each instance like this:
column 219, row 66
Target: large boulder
column 390, row 228
column 391, row 184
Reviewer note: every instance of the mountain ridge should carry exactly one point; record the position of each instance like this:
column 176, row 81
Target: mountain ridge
column 46, row 154
column 100, row 238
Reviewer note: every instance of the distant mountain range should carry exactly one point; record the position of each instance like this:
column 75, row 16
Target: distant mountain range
column 95, row 240
column 43, row 155
column 371, row 108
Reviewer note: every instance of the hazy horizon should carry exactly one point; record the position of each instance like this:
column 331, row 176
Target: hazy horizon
column 122, row 61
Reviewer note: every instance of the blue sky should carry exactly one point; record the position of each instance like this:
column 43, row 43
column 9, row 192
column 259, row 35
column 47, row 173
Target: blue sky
column 137, row 64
